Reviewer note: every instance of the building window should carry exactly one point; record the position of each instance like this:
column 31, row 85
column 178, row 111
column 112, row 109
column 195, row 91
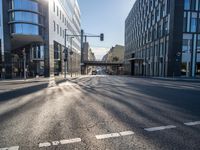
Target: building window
column 26, row 29
column 38, row 52
column 60, row 31
column 186, row 4
column 24, row 16
column 54, row 26
column 54, row 7
column 25, row 4
column 185, row 22
column 193, row 22
column 57, row 11
column 57, row 29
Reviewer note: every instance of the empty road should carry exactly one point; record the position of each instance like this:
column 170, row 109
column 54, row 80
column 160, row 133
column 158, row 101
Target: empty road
column 101, row 113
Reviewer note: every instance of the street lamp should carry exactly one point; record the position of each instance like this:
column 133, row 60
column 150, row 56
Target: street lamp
column 71, row 52
column 24, row 59
column 66, row 54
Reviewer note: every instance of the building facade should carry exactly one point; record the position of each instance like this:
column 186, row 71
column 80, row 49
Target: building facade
column 33, row 37
column 115, row 54
column 162, row 38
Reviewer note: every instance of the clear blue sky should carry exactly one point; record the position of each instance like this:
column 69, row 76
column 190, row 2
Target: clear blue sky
column 104, row 16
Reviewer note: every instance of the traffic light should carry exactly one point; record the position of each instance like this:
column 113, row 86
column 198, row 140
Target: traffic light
column 101, row 37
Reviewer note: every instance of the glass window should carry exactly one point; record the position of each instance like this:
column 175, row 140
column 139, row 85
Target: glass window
column 185, row 22
column 24, row 16
column 57, row 29
column 54, row 25
column 186, row 4
column 27, row 29
column 193, row 22
column 54, row 7
column 25, row 4
column 38, row 52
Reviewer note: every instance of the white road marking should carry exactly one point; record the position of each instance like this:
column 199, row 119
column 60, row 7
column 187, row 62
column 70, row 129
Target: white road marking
column 113, row 135
column 76, row 140
column 10, row 148
column 106, row 136
column 55, row 143
column 125, row 133
column 159, row 128
column 46, row 144
column 192, row 123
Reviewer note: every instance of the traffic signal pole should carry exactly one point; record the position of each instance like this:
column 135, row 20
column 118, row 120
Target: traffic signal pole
column 82, row 35
column 82, row 52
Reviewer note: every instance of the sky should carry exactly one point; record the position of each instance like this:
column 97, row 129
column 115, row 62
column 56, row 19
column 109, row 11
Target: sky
column 104, row 16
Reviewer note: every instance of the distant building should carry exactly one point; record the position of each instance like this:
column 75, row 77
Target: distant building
column 36, row 30
column 162, row 38
column 91, row 56
column 115, row 54
column 86, row 48
column 88, row 55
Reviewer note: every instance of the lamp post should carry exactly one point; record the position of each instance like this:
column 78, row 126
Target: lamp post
column 188, row 60
column 66, row 55
column 71, row 52
column 24, row 59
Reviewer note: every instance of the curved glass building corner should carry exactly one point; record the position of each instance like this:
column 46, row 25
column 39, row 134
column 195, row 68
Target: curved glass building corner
column 25, row 17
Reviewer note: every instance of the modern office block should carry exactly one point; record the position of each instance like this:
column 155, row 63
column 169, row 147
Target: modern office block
column 33, row 33
column 162, row 38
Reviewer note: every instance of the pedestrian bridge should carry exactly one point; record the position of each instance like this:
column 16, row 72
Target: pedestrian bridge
column 102, row 63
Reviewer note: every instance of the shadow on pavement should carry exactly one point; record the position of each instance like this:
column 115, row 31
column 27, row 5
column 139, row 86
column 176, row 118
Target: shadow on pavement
column 21, row 92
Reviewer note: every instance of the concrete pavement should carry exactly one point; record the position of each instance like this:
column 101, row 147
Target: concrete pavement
column 102, row 112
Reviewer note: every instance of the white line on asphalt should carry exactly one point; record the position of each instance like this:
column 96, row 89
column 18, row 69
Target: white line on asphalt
column 76, row 140
column 46, row 144
column 55, row 143
column 192, row 123
column 106, row 136
column 125, row 133
column 10, row 148
column 113, row 135
column 159, row 128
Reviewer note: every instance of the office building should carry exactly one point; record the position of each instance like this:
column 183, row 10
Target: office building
column 32, row 35
column 162, row 38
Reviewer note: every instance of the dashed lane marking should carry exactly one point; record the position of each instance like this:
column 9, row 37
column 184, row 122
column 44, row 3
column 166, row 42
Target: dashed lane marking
column 192, row 123
column 114, row 135
column 126, row 133
column 61, row 142
column 10, row 148
column 76, row 140
column 160, row 128
column 106, row 136
column 46, row 144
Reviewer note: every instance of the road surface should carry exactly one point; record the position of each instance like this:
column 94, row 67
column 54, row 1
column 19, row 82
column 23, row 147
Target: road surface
column 101, row 113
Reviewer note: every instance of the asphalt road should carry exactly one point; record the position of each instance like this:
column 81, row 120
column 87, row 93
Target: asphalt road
column 101, row 113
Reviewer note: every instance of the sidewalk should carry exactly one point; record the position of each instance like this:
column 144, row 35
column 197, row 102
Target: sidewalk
column 178, row 79
column 197, row 80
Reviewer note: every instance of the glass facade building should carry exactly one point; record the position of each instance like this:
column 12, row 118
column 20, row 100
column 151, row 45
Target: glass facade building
column 36, row 30
column 158, row 36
